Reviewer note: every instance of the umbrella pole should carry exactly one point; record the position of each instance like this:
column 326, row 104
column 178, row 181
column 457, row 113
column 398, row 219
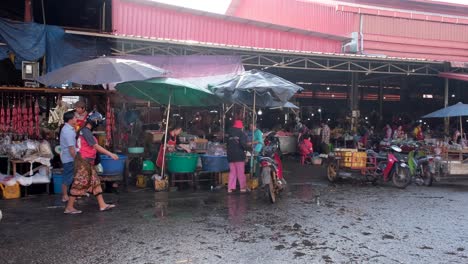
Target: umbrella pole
column 461, row 130
column 223, row 124
column 166, row 135
column 253, row 124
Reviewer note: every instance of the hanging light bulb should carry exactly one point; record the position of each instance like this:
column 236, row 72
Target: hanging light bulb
column 260, row 112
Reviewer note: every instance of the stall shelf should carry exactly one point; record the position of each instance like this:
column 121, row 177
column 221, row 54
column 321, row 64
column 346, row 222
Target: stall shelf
column 15, row 163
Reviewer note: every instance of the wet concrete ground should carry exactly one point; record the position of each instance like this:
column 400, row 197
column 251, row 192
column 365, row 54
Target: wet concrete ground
column 313, row 222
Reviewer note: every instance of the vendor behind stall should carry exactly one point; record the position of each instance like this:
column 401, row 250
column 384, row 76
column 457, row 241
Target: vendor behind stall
column 388, row 132
column 325, row 133
column 81, row 114
column 257, row 139
column 418, row 132
column 172, row 142
column 301, row 129
column 456, row 138
column 399, row 133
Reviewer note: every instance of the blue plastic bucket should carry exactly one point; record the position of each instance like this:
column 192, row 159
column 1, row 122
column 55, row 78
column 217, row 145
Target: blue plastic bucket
column 214, row 163
column 58, row 180
column 113, row 167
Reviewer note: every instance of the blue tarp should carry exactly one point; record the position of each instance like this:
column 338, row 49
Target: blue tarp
column 4, row 52
column 31, row 41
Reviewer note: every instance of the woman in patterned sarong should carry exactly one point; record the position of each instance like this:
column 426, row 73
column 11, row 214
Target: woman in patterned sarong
column 86, row 179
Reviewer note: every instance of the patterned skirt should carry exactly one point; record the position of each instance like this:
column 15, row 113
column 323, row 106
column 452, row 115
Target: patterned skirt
column 85, row 179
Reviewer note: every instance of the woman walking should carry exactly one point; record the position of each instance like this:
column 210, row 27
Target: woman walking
column 86, row 179
column 236, row 146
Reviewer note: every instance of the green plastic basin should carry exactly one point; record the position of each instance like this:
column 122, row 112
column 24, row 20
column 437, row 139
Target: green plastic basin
column 178, row 162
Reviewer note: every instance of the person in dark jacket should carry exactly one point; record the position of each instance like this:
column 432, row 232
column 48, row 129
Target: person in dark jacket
column 236, row 146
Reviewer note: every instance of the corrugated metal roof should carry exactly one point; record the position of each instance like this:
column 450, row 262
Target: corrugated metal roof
column 299, row 14
column 414, row 38
column 414, row 28
column 134, row 18
column 416, row 6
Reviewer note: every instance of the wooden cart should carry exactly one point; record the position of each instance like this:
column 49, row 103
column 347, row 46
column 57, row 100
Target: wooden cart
column 451, row 165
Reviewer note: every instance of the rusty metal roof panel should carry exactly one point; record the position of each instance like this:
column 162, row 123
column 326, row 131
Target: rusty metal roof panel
column 409, row 28
column 154, row 21
column 306, row 15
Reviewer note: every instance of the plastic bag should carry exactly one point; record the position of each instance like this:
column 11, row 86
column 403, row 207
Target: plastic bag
column 32, row 147
column 99, row 168
column 216, row 149
column 8, row 180
column 17, row 151
column 45, row 150
column 160, row 183
column 24, row 181
column 4, row 144
column 39, row 178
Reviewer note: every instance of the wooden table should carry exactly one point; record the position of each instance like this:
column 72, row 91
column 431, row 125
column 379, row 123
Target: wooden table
column 457, row 152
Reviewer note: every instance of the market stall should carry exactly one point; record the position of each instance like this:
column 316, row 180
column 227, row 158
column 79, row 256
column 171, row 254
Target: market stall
column 256, row 88
column 451, row 155
column 170, row 92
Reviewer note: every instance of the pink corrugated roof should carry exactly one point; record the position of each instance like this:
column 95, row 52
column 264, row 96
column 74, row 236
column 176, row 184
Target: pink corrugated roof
column 147, row 19
column 315, row 16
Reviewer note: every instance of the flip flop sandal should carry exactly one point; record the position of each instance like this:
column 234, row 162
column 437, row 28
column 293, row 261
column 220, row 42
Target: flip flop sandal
column 107, row 208
column 72, row 212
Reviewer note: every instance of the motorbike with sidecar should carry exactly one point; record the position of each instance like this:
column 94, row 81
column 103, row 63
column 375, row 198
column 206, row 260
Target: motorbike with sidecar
column 342, row 163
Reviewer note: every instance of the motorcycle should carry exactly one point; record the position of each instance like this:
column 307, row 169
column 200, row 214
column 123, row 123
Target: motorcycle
column 390, row 167
column 271, row 169
column 422, row 167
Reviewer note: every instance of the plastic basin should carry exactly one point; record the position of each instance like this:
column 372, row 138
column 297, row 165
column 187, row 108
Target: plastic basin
column 212, row 163
column 136, row 150
column 182, row 162
column 113, row 167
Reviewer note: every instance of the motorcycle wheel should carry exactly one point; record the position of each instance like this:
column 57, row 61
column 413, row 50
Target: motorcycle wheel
column 401, row 177
column 332, row 171
column 271, row 192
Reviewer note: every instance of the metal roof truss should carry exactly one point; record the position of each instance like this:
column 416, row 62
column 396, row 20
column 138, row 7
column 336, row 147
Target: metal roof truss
column 291, row 60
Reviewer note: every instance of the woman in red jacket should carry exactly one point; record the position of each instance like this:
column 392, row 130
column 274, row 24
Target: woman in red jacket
column 86, row 179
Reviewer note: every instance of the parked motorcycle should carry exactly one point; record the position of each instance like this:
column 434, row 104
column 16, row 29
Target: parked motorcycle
column 271, row 169
column 390, row 167
column 422, row 167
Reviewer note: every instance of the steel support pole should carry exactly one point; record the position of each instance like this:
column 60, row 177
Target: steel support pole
column 446, row 96
column 354, row 101
column 381, row 93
